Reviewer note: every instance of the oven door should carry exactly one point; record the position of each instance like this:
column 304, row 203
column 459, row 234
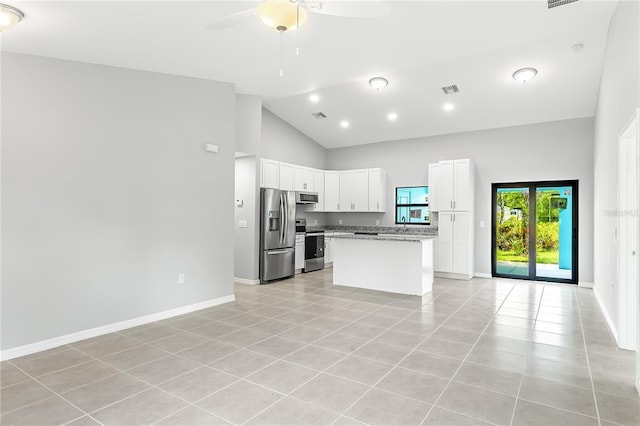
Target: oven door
column 313, row 252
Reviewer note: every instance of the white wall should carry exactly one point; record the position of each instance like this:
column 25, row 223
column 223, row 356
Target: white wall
column 108, row 194
column 245, row 239
column 618, row 98
column 248, row 141
column 546, row 151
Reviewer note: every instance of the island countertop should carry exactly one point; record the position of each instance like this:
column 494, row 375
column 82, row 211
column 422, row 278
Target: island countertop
column 386, row 237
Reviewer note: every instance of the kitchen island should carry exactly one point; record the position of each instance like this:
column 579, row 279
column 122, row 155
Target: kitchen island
column 395, row 263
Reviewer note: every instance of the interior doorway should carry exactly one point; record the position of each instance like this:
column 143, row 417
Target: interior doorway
column 628, row 236
column 535, row 231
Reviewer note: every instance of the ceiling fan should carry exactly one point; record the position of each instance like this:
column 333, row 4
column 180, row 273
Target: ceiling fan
column 288, row 15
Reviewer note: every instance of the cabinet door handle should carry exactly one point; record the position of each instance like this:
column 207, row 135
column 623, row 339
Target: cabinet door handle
column 378, row 206
column 451, row 204
column 454, row 204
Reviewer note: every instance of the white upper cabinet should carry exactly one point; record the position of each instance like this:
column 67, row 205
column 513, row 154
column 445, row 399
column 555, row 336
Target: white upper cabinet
column 354, row 190
column 318, row 186
column 269, row 173
column 361, row 190
column 454, row 188
column 331, row 191
column 303, row 179
column 377, row 190
column 346, row 190
column 286, row 177
column 434, row 186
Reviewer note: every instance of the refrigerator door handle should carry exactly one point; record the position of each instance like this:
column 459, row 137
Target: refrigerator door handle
column 278, row 252
column 285, row 222
column 282, row 219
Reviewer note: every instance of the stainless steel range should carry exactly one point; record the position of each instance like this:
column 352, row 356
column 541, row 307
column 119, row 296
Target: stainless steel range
column 313, row 247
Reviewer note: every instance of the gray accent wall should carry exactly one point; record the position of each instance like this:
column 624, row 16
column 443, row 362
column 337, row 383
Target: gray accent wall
column 618, row 98
column 546, row 151
column 108, row 195
column 283, row 142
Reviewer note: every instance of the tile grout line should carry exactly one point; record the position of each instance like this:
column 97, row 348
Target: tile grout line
column 584, row 342
column 526, row 360
column 383, row 330
column 414, row 348
column 472, row 347
column 55, row 394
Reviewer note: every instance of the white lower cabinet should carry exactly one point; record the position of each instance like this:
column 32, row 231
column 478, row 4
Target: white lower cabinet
column 328, row 250
column 455, row 244
column 299, row 251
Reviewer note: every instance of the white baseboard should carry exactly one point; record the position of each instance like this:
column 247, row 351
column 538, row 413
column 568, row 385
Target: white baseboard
column 453, row 276
column 584, row 284
column 109, row 328
column 482, row 275
column 610, row 323
column 246, row 281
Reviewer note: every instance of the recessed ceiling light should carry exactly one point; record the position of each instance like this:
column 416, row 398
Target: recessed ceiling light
column 524, row 74
column 448, row 107
column 378, row 83
column 314, row 98
column 344, row 124
column 9, row 16
column 392, row 116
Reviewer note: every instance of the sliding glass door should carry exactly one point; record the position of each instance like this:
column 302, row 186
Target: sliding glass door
column 535, row 231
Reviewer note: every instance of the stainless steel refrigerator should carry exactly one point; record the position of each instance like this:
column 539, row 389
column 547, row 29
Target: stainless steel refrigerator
column 277, row 234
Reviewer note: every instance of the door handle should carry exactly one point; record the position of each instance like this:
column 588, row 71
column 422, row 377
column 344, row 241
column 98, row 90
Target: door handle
column 277, row 252
column 454, row 204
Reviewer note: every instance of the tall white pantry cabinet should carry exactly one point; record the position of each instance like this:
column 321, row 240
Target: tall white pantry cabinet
column 452, row 196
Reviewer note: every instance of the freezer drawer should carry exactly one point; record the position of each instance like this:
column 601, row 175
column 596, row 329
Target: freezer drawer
column 277, row 264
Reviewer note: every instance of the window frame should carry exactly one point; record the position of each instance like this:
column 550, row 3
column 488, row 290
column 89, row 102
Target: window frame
column 396, row 205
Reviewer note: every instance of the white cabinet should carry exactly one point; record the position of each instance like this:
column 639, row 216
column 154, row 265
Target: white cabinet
column 362, row 190
column 455, row 187
column 451, row 188
column 434, row 186
column 455, row 246
column 354, row 190
column 328, row 250
column 331, row 190
column 377, row 190
column 318, row 186
column 286, row 177
column 303, row 179
column 269, row 173
column 299, row 252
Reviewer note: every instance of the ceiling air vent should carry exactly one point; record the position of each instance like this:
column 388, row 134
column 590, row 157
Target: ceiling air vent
column 319, row 115
column 450, row 90
column 556, row 3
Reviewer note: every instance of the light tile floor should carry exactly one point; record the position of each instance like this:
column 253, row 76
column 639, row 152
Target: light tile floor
column 303, row 351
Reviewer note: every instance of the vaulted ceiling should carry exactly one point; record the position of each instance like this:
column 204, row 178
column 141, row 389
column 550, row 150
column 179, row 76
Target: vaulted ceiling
column 420, row 47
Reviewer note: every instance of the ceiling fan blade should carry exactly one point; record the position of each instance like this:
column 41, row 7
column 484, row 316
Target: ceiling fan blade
column 350, row 9
column 232, row 20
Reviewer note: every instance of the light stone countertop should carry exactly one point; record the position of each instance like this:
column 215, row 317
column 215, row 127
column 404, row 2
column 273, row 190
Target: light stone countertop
column 386, row 237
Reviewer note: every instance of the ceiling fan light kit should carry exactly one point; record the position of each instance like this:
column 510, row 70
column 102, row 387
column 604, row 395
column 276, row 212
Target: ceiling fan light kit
column 281, row 15
column 9, row 16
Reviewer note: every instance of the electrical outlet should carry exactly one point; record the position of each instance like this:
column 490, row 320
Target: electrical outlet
column 339, row 221
column 377, row 222
column 180, row 278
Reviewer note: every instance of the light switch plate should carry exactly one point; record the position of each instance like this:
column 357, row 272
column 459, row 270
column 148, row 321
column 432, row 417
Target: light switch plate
column 239, row 202
column 242, row 224
column 211, row 147
column 482, row 224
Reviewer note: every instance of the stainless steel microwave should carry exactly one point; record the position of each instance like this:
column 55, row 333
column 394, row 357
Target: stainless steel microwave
column 306, row 197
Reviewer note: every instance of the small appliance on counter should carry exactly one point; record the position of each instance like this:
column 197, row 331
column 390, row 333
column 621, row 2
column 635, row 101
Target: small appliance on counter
column 277, row 234
column 313, row 247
